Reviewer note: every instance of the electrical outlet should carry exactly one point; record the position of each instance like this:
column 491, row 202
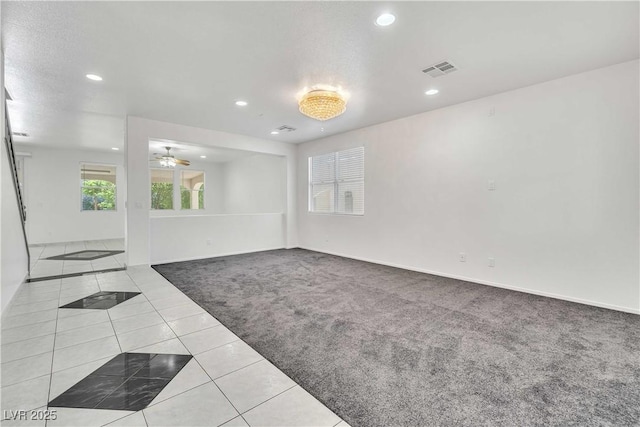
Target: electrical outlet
column 462, row 257
column 492, row 262
column 492, row 111
column 208, row 242
column 491, row 185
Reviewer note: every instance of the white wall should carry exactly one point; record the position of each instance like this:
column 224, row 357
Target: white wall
column 13, row 252
column 245, row 201
column 140, row 131
column 182, row 238
column 255, row 184
column 563, row 220
column 52, row 193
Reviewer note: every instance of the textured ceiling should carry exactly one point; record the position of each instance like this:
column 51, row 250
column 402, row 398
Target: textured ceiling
column 188, row 62
column 193, row 152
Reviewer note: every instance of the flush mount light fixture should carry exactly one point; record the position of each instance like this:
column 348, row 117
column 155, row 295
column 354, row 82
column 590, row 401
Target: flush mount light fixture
column 94, row 77
column 322, row 104
column 203, row 157
column 431, row 92
column 242, row 103
column 115, row 148
column 385, row 20
column 274, row 132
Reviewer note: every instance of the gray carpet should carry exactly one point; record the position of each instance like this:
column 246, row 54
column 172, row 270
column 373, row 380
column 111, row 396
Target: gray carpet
column 382, row 346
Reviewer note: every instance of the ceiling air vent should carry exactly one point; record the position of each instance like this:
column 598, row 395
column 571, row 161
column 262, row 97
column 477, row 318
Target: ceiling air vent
column 19, row 134
column 285, row 128
column 440, row 69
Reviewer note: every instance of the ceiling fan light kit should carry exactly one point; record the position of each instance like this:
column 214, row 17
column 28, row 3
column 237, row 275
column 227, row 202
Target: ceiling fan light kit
column 169, row 161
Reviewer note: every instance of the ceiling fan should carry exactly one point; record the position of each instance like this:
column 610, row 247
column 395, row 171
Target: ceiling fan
column 169, row 161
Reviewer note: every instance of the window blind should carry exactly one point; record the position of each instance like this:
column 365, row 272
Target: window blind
column 336, row 182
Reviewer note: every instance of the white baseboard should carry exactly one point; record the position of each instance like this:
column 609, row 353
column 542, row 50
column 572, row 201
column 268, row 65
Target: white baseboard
column 214, row 256
column 485, row 282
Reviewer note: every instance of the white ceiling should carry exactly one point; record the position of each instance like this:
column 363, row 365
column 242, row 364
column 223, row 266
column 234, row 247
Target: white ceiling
column 192, row 152
column 188, row 63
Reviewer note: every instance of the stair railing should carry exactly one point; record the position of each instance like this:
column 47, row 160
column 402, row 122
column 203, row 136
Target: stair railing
column 8, row 140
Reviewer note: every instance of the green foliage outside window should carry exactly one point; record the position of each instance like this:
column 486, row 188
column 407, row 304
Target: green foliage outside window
column 98, row 195
column 161, row 195
column 185, row 198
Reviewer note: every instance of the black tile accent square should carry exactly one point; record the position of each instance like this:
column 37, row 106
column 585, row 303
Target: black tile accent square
column 88, row 392
column 124, row 364
column 163, row 366
column 86, row 255
column 134, row 395
column 129, row 382
column 101, row 300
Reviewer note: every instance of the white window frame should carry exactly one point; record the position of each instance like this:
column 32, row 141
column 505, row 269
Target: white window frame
column 204, row 191
column 173, row 191
column 336, row 182
column 115, row 186
column 176, row 194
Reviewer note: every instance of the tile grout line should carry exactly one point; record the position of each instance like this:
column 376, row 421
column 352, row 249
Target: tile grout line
column 8, row 316
column 17, row 303
column 240, row 339
column 213, row 380
column 114, row 330
column 201, row 367
column 137, row 328
column 195, row 332
column 26, row 339
column 31, row 355
column 199, row 385
column 273, row 397
column 263, row 358
column 53, row 354
column 196, row 361
column 80, row 327
column 133, row 350
column 239, row 369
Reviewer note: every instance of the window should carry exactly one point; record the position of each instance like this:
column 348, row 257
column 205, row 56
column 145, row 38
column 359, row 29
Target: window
column 192, row 189
column 336, row 182
column 98, row 187
column 161, row 189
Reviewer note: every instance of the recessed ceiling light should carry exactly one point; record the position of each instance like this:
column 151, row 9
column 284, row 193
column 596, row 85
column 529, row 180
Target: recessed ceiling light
column 385, row 20
column 115, row 148
column 203, row 157
column 274, row 132
column 431, row 92
column 241, row 103
column 94, row 77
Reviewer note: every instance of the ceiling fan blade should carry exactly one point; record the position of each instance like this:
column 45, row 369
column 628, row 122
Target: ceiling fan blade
column 183, row 162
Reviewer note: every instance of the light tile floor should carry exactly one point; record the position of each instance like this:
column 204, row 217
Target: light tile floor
column 42, row 267
column 46, row 350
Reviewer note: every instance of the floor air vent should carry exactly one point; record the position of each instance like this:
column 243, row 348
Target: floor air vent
column 440, row 69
